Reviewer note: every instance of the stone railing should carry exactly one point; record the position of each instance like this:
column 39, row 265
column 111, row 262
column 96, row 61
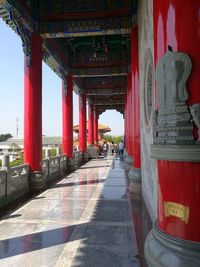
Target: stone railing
column 76, row 161
column 3, row 184
column 54, row 167
column 63, row 165
column 15, row 181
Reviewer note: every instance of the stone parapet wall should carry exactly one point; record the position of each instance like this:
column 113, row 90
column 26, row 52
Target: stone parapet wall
column 15, row 181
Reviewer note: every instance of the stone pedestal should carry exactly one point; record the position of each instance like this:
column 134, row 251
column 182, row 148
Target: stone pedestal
column 128, row 163
column 134, row 176
column 36, row 182
column 85, row 157
column 72, row 164
column 163, row 250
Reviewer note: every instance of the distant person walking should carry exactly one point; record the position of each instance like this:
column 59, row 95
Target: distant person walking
column 105, row 148
column 121, row 149
column 112, row 147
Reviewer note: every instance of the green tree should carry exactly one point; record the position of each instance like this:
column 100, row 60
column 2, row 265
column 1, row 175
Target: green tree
column 17, row 162
column 115, row 139
column 53, row 152
column 4, row 137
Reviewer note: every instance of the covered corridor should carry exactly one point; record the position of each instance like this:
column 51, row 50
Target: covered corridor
column 83, row 220
column 142, row 59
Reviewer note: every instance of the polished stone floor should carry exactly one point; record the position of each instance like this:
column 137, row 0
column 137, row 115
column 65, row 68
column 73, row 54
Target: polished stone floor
column 84, row 220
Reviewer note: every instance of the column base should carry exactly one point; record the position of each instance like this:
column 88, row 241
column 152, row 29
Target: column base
column 36, row 182
column 128, row 163
column 134, row 176
column 80, row 159
column 162, row 250
column 72, row 164
column 85, row 157
column 125, row 154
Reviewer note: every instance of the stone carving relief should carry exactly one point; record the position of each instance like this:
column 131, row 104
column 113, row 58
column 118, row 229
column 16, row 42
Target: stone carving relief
column 148, row 87
column 172, row 123
column 195, row 112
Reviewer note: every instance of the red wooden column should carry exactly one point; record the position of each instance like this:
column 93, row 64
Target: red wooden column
column 129, row 158
column 176, row 25
column 33, row 106
column 127, row 116
column 130, row 113
column 67, row 116
column 90, row 123
column 82, row 123
column 135, row 172
column 96, row 134
column 125, row 123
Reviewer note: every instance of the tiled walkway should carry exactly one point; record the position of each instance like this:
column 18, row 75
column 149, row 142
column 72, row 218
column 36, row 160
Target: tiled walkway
column 84, row 220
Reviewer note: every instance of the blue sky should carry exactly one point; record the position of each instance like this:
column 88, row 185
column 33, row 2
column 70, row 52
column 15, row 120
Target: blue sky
column 12, row 92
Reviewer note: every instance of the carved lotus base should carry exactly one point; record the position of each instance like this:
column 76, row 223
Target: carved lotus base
column 37, row 182
column 162, row 250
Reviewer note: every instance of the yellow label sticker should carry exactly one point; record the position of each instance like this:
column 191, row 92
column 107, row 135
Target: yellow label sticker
column 177, row 210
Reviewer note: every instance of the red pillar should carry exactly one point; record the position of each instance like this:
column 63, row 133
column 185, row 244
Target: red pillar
column 67, row 112
column 178, row 182
column 135, row 99
column 125, row 123
column 82, row 123
column 33, row 106
column 130, row 113
column 169, row 15
column 90, row 123
column 96, row 135
column 135, row 171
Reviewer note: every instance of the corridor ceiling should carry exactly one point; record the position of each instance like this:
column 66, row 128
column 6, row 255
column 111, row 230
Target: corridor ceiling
column 89, row 40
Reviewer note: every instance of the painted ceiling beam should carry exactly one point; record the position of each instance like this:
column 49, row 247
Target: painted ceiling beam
column 104, row 108
column 120, row 12
column 89, row 27
column 100, row 75
column 110, row 103
column 105, row 86
column 105, row 92
column 100, row 72
column 58, row 51
column 99, row 64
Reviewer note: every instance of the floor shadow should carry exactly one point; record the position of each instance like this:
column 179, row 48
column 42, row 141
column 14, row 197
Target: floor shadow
column 7, row 217
column 38, row 197
column 93, row 167
column 37, row 241
column 94, row 181
column 142, row 223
